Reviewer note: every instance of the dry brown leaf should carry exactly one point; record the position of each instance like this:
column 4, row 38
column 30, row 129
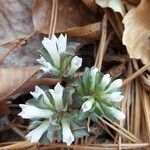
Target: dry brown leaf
column 31, row 83
column 12, row 78
column 4, row 109
column 89, row 31
column 91, row 5
column 116, row 5
column 136, row 35
column 71, row 13
column 15, row 20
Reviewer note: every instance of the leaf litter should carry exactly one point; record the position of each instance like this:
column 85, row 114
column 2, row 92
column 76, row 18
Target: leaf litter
column 18, row 67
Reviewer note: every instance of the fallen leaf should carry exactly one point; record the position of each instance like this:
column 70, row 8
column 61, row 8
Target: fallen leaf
column 71, row 14
column 15, row 20
column 12, row 78
column 91, row 31
column 30, row 85
column 20, row 54
column 136, row 36
column 4, row 109
column 91, row 5
column 116, row 5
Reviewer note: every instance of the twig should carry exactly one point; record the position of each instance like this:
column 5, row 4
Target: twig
column 136, row 74
column 102, row 44
column 53, row 18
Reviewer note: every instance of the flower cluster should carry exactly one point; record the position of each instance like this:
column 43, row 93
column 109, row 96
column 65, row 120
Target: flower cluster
column 52, row 112
column 49, row 114
column 100, row 94
column 57, row 57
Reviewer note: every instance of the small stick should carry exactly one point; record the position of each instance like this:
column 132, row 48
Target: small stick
column 136, row 74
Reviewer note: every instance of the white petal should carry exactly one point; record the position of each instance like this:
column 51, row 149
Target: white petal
column 94, row 71
column 66, row 132
column 57, row 94
column 62, row 43
column 105, row 80
column 76, row 63
column 114, row 97
column 114, row 85
column 117, row 113
column 54, row 38
column 30, row 112
column 86, row 106
column 38, row 91
column 47, row 67
column 50, row 46
column 35, row 135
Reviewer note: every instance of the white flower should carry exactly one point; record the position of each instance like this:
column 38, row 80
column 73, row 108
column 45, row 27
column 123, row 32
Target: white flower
column 86, row 106
column 114, row 97
column 66, row 132
column 55, row 46
column 105, row 80
column 76, row 63
column 94, row 71
column 51, row 47
column 57, row 95
column 36, row 134
column 114, row 85
column 117, row 113
column 38, row 91
column 31, row 112
column 62, row 43
column 46, row 66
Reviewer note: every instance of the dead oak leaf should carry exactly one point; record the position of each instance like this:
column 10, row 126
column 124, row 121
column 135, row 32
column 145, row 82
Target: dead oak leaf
column 15, row 20
column 116, row 5
column 136, row 36
column 71, row 13
column 11, row 79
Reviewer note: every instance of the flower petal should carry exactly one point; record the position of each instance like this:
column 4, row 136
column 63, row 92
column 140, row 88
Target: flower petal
column 38, row 91
column 94, row 71
column 105, row 80
column 66, row 132
column 86, row 106
column 76, row 63
column 50, row 46
column 57, row 94
column 62, row 43
column 30, row 112
column 114, row 85
column 35, row 135
column 114, row 97
column 47, row 67
column 117, row 113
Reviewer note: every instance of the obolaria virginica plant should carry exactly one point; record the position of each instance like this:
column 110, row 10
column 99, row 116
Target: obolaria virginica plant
column 61, row 113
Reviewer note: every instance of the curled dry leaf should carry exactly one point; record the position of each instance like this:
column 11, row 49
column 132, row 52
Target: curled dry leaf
column 116, row 5
column 12, row 78
column 89, row 31
column 71, row 13
column 136, row 36
column 15, row 20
